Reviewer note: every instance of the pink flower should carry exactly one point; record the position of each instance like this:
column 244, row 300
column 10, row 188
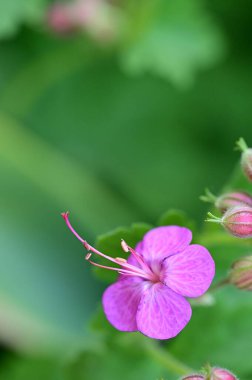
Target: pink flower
column 149, row 295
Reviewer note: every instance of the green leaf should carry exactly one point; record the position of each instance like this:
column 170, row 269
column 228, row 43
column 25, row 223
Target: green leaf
column 171, row 39
column 178, row 218
column 110, row 243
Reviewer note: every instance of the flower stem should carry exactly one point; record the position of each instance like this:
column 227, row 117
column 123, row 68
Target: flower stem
column 219, row 284
column 167, row 360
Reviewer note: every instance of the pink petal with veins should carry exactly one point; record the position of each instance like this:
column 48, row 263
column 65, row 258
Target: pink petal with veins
column 120, row 302
column 162, row 313
column 161, row 242
column 190, row 272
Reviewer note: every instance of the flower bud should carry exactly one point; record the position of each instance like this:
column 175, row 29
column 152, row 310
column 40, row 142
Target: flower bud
column 226, row 201
column 210, row 373
column 222, row 374
column 246, row 158
column 194, row 377
column 236, row 220
column 246, row 163
column 241, row 273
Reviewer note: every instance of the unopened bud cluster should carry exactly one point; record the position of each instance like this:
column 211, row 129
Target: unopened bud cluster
column 213, row 374
column 236, row 207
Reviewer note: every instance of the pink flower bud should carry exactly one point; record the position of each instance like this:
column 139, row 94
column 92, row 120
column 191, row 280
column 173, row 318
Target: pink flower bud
column 194, row 377
column 212, row 374
column 246, row 158
column 236, row 220
column 241, row 273
column 246, row 163
column 226, row 201
column 222, row 374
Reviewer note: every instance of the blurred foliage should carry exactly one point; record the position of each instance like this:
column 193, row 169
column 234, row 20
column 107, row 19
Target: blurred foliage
column 79, row 130
column 122, row 358
column 171, row 39
column 16, row 12
column 26, row 368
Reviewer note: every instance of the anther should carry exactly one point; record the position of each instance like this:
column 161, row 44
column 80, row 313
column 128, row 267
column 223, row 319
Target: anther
column 120, row 260
column 124, row 246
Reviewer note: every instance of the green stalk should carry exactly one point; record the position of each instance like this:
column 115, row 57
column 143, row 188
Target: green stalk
column 167, row 360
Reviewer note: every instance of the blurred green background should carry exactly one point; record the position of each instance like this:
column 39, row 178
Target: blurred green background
column 117, row 119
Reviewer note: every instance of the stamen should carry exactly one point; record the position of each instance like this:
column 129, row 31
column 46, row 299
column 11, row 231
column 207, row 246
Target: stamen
column 143, row 272
column 88, row 255
column 127, row 248
column 121, row 271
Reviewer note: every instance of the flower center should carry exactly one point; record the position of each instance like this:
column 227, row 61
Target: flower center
column 143, row 270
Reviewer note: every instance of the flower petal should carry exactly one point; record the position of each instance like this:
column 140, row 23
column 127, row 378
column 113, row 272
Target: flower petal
column 162, row 313
column 189, row 273
column 120, row 302
column 161, row 242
